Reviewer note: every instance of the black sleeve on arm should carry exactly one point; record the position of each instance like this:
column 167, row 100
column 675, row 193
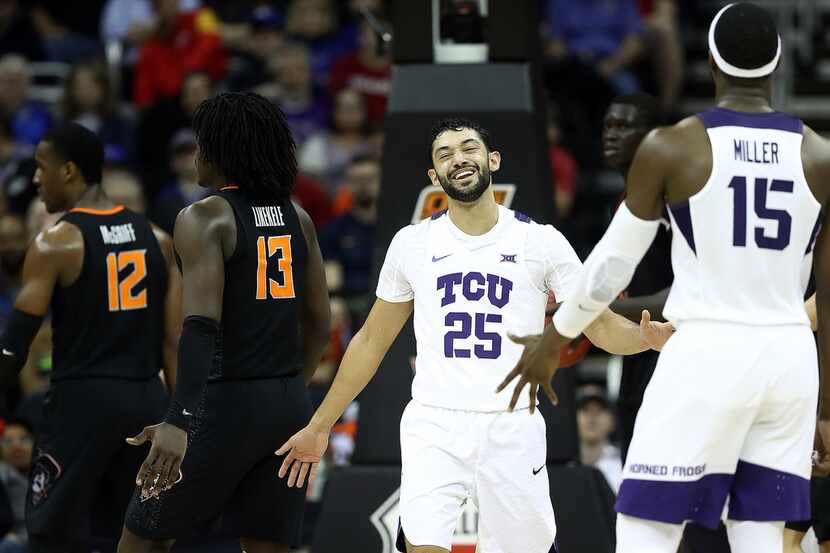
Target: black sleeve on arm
column 16, row 340
column 196, row 349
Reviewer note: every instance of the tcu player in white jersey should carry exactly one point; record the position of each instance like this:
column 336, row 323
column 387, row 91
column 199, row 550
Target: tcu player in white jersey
column 472, row 274
column 730, row 411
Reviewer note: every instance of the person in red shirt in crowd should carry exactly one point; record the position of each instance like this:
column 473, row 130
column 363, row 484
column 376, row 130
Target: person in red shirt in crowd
column 310, row 195
column 183, row 43
column 366, row 71
column 564, row 168
column 665, row 48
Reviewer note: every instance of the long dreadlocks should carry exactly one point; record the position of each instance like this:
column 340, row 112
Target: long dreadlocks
column 246, row 138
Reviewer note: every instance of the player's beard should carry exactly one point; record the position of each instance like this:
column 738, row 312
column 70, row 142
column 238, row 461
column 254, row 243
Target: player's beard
column 471, row 194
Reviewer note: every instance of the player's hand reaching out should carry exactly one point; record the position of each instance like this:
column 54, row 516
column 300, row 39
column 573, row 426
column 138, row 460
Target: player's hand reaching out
column 162, row 467
column 655, row 334
column 304, row 450
column 536, row 368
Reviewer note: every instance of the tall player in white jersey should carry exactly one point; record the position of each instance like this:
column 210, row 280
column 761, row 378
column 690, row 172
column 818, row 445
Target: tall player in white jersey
column 730, row 411
column 472, row 274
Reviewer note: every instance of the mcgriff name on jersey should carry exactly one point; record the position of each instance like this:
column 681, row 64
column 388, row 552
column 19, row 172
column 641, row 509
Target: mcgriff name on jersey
column 117, row 234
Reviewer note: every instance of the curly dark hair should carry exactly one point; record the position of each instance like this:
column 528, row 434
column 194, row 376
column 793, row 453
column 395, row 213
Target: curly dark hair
column 247, row 139
column 457, row 124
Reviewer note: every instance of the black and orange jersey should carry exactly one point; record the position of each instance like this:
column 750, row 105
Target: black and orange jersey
column 110, row 321
column 264, row 279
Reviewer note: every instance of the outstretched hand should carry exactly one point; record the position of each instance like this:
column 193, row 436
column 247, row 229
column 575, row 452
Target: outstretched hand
column 655, row 334
column 162, row 467
column 304, row 451
column 536, row 368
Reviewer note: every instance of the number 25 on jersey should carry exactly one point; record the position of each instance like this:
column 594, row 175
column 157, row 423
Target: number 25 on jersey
column 278, row 248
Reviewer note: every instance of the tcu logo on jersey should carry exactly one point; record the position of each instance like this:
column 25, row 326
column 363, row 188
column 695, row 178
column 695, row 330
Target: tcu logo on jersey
column 474, row 286
column 473, row 334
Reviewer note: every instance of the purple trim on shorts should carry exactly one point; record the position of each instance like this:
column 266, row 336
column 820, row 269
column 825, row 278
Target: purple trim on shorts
column 683, row 217
column 720, row 117
column 700, row 501
column 765, row 494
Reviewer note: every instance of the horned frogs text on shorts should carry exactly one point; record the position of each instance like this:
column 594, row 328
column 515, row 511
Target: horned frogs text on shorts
column 730, row 412
column 457, row 441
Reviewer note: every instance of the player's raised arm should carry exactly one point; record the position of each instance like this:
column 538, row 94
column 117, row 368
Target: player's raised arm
column 53, row 254
column 616, row 334
column 203, row 233
column 607, row 270
column 172, row 309
column 359, row 365
column 315, row 307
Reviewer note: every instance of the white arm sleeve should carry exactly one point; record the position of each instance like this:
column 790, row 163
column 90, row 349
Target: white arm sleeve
column 608, row 270
column 393, row 284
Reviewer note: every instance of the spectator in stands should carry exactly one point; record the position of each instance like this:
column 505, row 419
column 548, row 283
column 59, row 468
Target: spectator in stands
column 89, row 100
column 184, row 188
column 60, row 42
column 266, row 37
column 16, row 446
column 595, row 422
column 30, row 118
column 305, row 104
column 17, row 33
column 366, row 71
column 17, row 168
column 665, row 48
column 606, row 34
column 158, row 124
column 347, row 243
column 124, row 188
column 564, row 168
column 310, row 195
column 326, row 155
column 314, row 22
column 133, row 21
column 183, row 43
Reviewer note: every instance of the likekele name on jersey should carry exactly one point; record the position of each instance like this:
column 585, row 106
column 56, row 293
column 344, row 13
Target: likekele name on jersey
column 268, row 216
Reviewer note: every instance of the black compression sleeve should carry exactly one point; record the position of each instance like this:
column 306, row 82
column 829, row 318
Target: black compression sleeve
column 16, row 340
column 196, row 349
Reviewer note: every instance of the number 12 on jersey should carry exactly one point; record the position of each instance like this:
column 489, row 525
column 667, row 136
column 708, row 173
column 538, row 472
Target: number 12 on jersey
column 279, row 246
column 122, row 294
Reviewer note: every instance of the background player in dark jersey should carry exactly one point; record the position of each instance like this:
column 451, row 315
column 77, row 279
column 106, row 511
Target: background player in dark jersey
column 256, row 323
column 110, row 281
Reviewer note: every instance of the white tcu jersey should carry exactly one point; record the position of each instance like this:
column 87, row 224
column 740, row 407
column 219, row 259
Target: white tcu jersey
column 742, row 246
column 469, row 292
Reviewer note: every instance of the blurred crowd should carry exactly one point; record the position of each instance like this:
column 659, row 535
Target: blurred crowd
column 134, row 71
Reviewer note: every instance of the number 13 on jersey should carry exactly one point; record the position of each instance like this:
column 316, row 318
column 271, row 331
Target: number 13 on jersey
column 279, row 247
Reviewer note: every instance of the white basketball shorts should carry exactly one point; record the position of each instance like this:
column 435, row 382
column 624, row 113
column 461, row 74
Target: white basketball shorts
column 729, row 415
column 496, row 460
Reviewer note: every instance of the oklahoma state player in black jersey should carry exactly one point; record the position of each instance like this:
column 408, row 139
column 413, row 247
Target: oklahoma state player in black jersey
column 110, row 281
column 256, row 323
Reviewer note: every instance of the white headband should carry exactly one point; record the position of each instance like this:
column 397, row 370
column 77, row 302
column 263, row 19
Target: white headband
column 730, row 69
